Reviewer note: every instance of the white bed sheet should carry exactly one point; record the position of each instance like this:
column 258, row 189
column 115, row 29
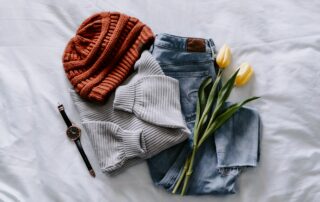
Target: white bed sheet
column 281, row 39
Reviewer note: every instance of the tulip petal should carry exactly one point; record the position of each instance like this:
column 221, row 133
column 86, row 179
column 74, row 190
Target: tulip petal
column 244, row 75
column 224, row 56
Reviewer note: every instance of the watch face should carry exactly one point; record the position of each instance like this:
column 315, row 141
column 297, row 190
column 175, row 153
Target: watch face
column 73, row 132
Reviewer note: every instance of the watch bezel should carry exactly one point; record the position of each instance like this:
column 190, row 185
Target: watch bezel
column 70, row 134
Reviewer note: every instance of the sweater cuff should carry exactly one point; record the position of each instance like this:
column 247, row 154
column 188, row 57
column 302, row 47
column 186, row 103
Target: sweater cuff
column 113, row 145
column 124, row 98
column 133, row 143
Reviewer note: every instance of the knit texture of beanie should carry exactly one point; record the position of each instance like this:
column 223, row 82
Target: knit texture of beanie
column 103, row 52
column 142, row 118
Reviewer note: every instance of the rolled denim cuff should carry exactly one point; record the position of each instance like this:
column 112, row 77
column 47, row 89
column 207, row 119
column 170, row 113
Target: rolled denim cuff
column 237, row 141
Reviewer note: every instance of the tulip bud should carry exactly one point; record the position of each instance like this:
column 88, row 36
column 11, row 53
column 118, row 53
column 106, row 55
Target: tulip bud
column 224, row 56
column 244, row 74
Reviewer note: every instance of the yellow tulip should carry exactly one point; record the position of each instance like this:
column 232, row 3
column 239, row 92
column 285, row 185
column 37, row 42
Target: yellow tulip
column 244, row 74
column 224, row 56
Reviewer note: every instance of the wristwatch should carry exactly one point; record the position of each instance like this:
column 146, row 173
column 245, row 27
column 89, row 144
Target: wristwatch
column 74, row 132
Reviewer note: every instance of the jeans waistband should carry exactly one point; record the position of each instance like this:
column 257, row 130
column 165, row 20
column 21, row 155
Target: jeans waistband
column 185, row 44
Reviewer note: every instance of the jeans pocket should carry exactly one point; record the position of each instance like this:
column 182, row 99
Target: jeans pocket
column 189, row 83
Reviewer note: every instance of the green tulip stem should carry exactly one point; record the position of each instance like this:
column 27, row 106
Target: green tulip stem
column 184, row 171
column 189, row 171
column 199, row 126
column 193, row 154
column 219, row 72
column 204, row 137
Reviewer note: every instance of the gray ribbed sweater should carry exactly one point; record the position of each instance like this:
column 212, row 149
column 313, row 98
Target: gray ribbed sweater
column 142, row 118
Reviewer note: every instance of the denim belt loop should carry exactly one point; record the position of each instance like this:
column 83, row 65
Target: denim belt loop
column 151, row 48
column 212, row 48
column 152, row 45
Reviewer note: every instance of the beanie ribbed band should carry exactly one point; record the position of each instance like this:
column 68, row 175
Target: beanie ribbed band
column 102, row 53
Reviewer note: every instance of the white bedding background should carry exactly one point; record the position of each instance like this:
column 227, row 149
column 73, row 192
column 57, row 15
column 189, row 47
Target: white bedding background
column 281, row 39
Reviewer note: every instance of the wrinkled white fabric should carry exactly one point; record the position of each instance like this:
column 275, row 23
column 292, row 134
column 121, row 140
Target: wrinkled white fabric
column 281, row 39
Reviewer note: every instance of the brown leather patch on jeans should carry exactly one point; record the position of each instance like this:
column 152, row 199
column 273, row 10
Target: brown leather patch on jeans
column 196, row 45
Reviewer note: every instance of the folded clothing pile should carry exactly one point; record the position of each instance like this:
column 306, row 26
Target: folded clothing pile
column 142, row 118
column 136, row 105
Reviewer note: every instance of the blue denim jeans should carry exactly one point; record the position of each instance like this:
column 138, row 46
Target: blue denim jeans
column 225, row 154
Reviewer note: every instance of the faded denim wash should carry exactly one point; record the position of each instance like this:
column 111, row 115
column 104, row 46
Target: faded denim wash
column 235, row 145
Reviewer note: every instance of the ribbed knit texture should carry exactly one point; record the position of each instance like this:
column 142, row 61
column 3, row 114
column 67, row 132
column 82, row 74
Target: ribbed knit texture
column 121, row 144
column 102, row 53
column 144, row 94
column 148, row 123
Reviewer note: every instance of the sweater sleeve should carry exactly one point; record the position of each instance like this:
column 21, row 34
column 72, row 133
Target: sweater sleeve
column 150, row 95
column 113, row 145
column 154, row 99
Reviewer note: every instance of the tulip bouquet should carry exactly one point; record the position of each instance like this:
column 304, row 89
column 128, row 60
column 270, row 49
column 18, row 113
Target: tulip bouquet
column 211, row 112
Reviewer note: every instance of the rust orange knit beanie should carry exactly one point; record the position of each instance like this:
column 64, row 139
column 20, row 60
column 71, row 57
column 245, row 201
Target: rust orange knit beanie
column 103, row 52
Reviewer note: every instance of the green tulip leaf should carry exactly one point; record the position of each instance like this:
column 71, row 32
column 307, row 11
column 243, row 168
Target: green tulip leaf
column 223, row 117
